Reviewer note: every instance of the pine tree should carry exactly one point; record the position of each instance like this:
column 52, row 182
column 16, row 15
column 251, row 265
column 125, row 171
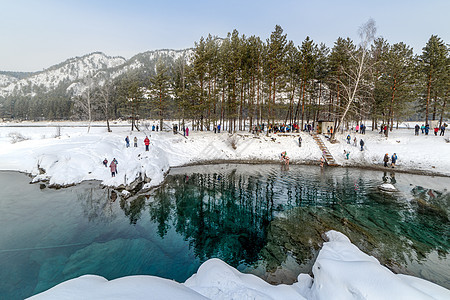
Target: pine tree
column 160, row 91
column 434, row 66
column 276, row 68
column 397, row 77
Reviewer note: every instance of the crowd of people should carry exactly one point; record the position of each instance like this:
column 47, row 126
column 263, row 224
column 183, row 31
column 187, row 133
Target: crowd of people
column 114, row 162
column 425, row 129
column 276, row 128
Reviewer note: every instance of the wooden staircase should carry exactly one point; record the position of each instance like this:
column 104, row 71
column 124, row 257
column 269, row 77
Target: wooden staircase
column 326, row 153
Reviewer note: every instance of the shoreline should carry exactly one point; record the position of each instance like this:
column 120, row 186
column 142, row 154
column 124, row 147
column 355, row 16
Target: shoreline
column 312, row 163
column 243, row 162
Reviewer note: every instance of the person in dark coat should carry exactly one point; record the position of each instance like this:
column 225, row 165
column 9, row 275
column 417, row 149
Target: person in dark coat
column 393, row 159
column 361, row 143
column 127, row 140
column 416, row 129
column 299, row 141
column 386, row 159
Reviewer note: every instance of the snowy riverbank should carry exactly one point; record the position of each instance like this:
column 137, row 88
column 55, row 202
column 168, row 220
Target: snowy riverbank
column 75, row 155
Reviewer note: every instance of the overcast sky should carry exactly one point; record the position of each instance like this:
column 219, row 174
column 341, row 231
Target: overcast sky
column 36, row 34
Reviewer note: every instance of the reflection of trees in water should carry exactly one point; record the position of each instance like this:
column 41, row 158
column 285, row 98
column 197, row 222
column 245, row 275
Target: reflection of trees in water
column 232, row 216
column 160, row 209
column 222, row 215
column 379, row 224
column 96, row 204
column 133, row 208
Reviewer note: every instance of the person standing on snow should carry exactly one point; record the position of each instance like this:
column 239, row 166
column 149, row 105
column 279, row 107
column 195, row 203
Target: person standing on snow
column 393, row 159
column 361, row 143
column 416, row 129
column 105, row 163
column 127, row 140
column 386, row 159
column 299, row 141
column 113, row 167
column 442, row 130
column 147, row 143
column 348, row 139
column 116, row 163
column 355, row 142
column 187, row 131
column 135, row 142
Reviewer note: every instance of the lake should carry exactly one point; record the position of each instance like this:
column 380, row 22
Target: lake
column 261, row 219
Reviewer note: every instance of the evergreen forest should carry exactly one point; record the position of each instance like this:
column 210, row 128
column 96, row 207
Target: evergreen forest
column 240, row 82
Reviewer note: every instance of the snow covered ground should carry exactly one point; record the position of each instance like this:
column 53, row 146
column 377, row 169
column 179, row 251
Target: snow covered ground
column 76, row 155
column 341, row 271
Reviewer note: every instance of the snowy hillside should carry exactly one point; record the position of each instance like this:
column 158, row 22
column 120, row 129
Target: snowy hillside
column 6, row 80
column 70, row 73
column 71, row 70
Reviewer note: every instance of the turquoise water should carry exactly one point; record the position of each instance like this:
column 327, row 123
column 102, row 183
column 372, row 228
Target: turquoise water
column 261, row 219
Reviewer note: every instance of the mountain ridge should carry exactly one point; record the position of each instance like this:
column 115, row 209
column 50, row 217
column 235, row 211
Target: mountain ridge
column 73, row 71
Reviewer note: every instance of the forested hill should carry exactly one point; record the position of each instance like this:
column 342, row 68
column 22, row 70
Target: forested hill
column 67, row 76
column 243, row 80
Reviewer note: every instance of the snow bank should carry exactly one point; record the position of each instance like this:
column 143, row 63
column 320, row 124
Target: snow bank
column 76, row 156
column 341, row 271
column 131, row 287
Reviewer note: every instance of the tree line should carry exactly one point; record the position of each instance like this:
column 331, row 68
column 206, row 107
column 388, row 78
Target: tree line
column 239, row 82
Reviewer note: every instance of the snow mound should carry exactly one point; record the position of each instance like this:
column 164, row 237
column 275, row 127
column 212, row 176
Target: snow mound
column 217, row 280
column 342, row 271
column 131, row 287
column 387, row 187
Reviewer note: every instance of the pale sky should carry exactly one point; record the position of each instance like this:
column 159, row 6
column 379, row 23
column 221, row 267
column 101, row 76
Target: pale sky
column 36, row 34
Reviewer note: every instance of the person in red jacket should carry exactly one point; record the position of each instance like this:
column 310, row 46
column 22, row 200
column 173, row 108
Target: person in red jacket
column 146, row 142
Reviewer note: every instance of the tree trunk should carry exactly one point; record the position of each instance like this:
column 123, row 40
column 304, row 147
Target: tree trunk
column 303, row 102
column 428, row 97
column 391, row 107
column 442, row 112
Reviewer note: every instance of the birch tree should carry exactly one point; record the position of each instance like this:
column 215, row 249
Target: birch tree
column 82, row 103
column 354, row 76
